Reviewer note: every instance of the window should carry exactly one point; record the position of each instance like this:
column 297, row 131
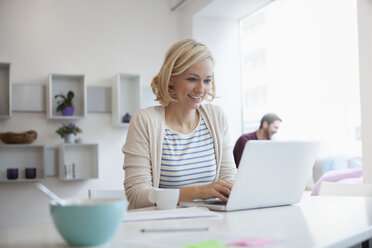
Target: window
column 300, row 60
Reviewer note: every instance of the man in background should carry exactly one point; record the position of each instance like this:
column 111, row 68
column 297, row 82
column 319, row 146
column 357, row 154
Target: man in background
column 270, row 124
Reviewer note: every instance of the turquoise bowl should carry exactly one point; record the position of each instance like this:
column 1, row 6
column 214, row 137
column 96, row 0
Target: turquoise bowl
column 88, row 222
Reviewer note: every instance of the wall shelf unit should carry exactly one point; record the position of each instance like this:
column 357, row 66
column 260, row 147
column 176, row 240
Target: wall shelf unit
column 125, row 96
column 22, row 157
column 5, row 91
column 61, row 84
column 85, row 158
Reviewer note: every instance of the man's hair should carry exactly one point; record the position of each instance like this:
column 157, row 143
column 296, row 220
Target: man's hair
column 269, row 118
column 180, row 56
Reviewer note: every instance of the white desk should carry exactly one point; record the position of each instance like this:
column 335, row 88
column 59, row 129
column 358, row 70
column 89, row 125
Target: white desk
column 315, row 222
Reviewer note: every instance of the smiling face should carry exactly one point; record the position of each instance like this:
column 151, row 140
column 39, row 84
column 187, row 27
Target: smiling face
column 192, row 86
column 271, row 129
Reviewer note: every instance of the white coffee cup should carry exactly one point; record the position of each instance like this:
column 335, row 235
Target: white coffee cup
column 165, row 198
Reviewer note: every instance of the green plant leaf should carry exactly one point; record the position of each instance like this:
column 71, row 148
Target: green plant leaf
column 66, row 101
column 61, row 106
column 70, row 95
column 70, row 128
column 60, row 95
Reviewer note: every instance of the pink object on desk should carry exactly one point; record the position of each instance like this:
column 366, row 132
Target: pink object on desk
column 252, row 242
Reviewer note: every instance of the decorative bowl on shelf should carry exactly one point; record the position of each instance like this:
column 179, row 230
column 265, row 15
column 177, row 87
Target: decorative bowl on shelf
column 18, row 138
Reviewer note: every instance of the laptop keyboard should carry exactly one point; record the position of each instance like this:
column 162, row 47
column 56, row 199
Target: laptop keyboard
column 214, row 202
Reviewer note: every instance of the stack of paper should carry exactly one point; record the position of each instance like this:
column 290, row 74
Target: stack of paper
column 193, row 212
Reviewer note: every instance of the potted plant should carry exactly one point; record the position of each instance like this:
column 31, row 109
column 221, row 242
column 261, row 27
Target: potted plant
column 67, row 131
column 65, row 105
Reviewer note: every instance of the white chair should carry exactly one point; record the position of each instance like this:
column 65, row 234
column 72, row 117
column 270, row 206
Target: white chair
column 106, row 194
column 345, row 189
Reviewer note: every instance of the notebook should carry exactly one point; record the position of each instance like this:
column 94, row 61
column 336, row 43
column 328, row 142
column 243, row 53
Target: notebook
column 271, row 173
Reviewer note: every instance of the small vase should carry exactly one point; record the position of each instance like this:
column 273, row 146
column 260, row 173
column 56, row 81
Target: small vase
column 126, row 118
column 68, row 111
column 30, row 173
column 69, row 138
column 12, row 173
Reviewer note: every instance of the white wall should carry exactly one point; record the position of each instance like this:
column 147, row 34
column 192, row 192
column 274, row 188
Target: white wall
column 221, row 35
column 92, row 37
column 187, row 12
column 365, row 75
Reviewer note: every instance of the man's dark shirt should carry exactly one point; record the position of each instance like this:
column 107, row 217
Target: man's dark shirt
column 240, row 144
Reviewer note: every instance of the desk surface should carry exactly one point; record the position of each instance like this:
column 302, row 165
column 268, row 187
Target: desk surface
column 315, row 222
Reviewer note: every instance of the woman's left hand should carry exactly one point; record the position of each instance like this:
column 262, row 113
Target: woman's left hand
column 220, row 189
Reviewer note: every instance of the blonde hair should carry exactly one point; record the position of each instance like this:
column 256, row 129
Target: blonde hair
column 180, row 56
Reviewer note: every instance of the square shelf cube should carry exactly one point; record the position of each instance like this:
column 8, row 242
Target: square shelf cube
column 126, row 97
column 62, row 84
column 21, row 157
column 78, row 161
column 5, row 91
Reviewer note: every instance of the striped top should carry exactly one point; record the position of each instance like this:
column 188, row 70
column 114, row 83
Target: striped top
column 187, row 159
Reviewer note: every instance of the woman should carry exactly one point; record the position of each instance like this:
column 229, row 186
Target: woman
column 182, row 143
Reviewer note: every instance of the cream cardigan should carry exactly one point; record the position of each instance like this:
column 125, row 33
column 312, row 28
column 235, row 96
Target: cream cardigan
column 143, row 149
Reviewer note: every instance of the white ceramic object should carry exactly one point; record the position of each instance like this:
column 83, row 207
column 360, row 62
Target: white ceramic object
column 165, row 198
column 70, row 138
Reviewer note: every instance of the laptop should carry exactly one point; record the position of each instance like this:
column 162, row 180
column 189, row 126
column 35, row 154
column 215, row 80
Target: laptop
column 270, row 173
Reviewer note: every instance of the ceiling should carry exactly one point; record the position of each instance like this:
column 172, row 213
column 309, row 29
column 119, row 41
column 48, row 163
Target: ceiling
column 232, row 9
